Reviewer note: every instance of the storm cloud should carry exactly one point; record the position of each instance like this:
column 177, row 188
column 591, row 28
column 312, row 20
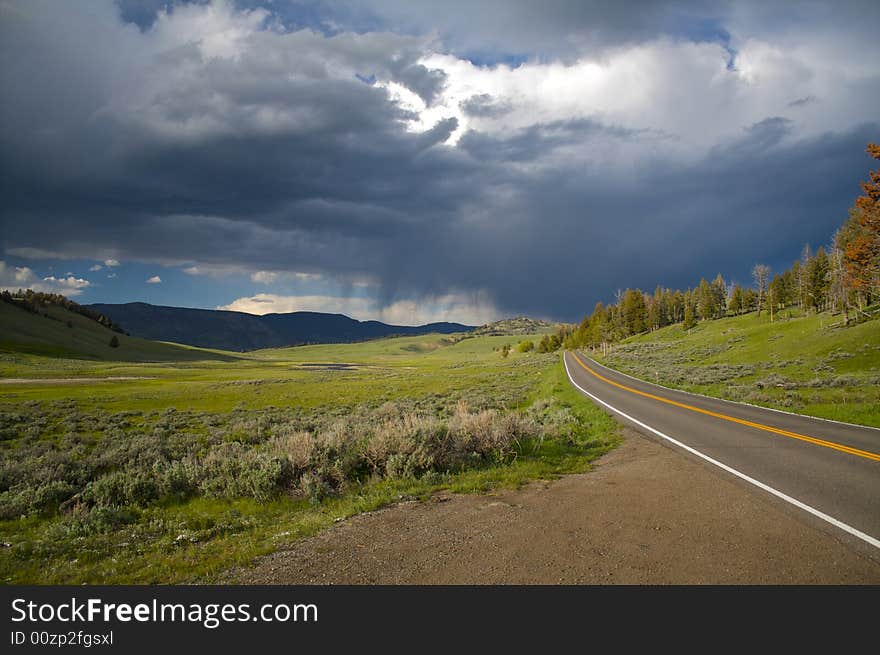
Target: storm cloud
column 651, row 150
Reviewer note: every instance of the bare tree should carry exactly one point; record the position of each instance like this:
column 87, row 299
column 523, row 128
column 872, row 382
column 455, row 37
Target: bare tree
column 804, row 276
column 838, row 274
column 761, row 274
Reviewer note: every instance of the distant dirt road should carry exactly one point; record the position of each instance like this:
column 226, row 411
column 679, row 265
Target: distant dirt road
column 116, row 378
column 645, row 515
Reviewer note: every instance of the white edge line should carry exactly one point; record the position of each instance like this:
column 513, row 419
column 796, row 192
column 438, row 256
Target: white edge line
column 729, row 402
column 794, row 501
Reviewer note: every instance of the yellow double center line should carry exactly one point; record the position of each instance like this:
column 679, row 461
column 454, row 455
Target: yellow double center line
column 760, row 426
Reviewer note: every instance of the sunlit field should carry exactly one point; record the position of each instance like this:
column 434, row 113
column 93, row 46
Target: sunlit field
column 203, row 460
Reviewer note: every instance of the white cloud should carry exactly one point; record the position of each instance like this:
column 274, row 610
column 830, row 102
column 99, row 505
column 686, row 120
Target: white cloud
column 70, row 284
column 676, row 88
column 264, row 277
column 270, row 303
column 213, row 270
column 471, row 309
column 154, row 280
column 23, row 277
column 111, row 263
column 270, row 277
column 96, row 267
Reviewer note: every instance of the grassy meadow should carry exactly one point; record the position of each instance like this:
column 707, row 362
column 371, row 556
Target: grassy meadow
column 806, row 364
column 193, row 461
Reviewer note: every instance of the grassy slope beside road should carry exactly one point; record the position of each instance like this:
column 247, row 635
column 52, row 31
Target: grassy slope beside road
column 214, row 460
column 797, row 363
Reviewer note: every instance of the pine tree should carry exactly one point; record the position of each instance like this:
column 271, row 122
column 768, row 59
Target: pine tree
column 818, row 280
column 689, row 318
column 705, row 300
column 736, row 300
column 719, row 296
column 634, row 312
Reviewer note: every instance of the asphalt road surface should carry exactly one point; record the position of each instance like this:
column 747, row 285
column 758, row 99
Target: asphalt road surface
column 829, row 471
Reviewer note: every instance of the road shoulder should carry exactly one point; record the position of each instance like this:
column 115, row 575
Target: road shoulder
column 646, row 514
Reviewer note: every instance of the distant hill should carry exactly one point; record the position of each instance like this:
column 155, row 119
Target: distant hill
column 514, row 327
column 238, row 331
column 56, row 327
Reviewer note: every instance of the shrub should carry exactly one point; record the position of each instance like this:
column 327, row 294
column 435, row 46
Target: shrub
column 123, row 488
column 295, row 445
column 232, row 471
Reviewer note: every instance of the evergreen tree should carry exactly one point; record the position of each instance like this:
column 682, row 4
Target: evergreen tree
column 689, row 318
column 719, row 296
column 818, row 280
column 634, row 312
column 705, row 302
column 678, row 307
column 736, row 300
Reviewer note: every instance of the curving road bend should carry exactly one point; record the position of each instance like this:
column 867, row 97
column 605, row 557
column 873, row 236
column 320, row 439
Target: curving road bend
column 830, row 471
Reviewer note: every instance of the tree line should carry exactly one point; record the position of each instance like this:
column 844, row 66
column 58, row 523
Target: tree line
column 36, row 301
column 842, row 278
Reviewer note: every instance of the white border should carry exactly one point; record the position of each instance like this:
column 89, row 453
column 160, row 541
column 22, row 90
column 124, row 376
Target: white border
column 729, row 402
column 794, row 501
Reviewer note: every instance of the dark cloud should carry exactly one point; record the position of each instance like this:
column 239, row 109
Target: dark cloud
column 280, row 157
column 540, row 29
column 803, row 102
column 568, row 28
column 537, row 141
column 422, row 81
column 483, row 104
column 758, row 138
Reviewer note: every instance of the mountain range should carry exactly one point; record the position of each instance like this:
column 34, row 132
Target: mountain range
column 238, row 331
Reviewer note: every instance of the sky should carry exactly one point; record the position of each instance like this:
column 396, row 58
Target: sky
column 414, row 161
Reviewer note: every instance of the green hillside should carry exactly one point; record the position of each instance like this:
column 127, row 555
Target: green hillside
column 805, row 364
column 519, row 326
column 59, row 332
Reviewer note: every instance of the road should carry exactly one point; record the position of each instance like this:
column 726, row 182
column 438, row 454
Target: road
column 829, row 471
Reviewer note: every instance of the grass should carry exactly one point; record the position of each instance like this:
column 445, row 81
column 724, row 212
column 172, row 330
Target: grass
column 799, row 363
column 198, row 465
column 59, row 333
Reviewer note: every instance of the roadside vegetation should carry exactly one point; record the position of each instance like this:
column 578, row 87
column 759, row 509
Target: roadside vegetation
column 803, row 363
column 199, row 465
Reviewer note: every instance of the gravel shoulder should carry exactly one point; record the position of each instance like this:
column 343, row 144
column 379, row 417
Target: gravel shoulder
column 645, row 514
